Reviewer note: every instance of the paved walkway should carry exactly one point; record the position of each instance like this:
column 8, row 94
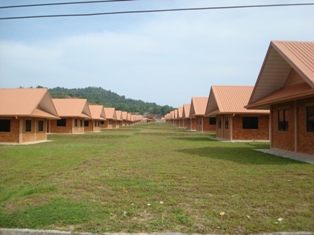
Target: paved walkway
column 4, row 231
column 291, row 155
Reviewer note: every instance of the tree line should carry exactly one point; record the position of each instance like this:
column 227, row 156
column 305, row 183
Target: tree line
column 98, row 95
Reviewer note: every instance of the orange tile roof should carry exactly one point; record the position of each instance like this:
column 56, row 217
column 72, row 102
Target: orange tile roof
column 186, row 110
column 198, row 106
column 180, row 112
column 281, row 58
column 124, row 115
column 229, row 100
column 172, row 114
column 118, row 115
column 27, row 102
column 97, row 112
column 72, row 107
column 110, row 113
column 175, row 114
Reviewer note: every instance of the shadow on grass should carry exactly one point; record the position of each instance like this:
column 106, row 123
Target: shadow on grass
column 241, row 155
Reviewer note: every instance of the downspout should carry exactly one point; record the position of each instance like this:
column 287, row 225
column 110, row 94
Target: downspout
column 270, row 127
column 295, row 127
column 20, row 130
column 231, row 127
column 202, row 124
column 35, row 131
column 223, row 126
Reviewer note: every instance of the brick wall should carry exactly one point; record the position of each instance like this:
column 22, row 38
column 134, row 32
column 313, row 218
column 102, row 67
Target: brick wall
column 207, row 126
column 104, row 125
column 283, row 139
column 41, row 135
column 109, row 124
column 13, row 135
column 61, row 129
column 262, row 133
column 90, row 125
column 27, row 136
column 192, row 124
column 286, row 139
column 305, row 139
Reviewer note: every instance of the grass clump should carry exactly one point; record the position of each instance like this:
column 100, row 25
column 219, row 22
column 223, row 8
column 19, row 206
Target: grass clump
column 153, row 178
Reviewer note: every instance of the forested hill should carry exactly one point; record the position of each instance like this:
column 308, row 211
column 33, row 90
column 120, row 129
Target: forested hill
column 98, row 95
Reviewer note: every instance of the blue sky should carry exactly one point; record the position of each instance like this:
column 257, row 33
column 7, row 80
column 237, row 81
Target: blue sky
column 159, row 57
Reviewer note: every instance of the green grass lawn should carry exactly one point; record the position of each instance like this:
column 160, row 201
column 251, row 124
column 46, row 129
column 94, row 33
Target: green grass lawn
column 153, row 178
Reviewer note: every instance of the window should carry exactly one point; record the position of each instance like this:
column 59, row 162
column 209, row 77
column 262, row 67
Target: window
column 61, row 122
column 283, row 120
column 219, row 123
column 40, row 125
column 310, row 119
column 28, row 125
column 226, row 123
column 250, row 123
column 5, row 125
column 212, row 121
column 102, row 122
column 110, row 122
column 75, row 122
column 81, row 122
column 86, row 123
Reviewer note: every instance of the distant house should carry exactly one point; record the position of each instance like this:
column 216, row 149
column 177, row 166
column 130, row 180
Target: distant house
column 129, row 119
column 150, row 119
column 73, row 112
column 180, row 117
column 137, row 119
column 285, row 86
column 186, row 115
column 171, row 117
column 25, row 115
column 110, row 122
column 124, row 117
column 233, row 120
column 175, row 117
column 118, row 118
column 197, row 115
column 97, row 115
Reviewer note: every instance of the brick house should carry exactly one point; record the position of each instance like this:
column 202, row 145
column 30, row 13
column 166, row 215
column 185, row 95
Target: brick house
column 285, row 86
column 171, row 117
column 25, row 114
column 110, row 122
column 129, row 119
column 124, row 118
column 175, row 117
column 186, row 115
column 197, row 115
column 97, row 115
column 118, row 118
column 180, row 117
column 233, row 120
column 73, row 112
column 150, row 119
